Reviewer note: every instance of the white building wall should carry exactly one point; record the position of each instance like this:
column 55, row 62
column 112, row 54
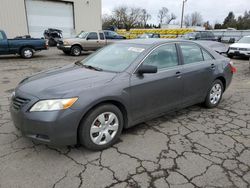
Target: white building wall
column 13, row 20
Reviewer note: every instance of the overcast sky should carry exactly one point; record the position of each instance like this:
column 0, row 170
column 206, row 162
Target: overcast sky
column 212, row 10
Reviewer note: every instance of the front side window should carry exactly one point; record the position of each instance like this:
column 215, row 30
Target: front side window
column 191, row 53
column 163, row 57
column 93, row 36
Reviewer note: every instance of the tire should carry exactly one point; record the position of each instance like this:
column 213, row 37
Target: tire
column 95, row 137
column 214, row 95
column 27, row 53
column 66, row 52
column 76, row 51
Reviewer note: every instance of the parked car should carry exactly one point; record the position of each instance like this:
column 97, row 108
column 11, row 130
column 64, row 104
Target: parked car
column 241, row 48
column 53, row 36
column 200, row 35
column 119, row 86
column 24, row 46
column 85, row 41
column 149, row 35
column 113, row 35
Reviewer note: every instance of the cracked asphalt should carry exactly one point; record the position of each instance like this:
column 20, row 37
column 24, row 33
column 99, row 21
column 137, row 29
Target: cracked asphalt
column 194, row 147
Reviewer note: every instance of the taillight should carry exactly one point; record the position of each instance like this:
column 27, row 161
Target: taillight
column 232, row 67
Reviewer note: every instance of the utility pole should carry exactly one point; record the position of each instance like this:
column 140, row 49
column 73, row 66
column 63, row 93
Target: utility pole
column 182, row 15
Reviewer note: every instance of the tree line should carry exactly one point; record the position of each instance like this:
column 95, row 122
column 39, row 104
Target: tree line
column 124, row 17
column 242, row 22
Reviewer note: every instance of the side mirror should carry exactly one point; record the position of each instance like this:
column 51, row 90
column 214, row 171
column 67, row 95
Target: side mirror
column 147, row 69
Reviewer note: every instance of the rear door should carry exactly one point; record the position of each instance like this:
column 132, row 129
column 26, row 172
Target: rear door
column 92, row 41
column 198, row 72
column 102, row 41
column 4, row 47
column 152, row 94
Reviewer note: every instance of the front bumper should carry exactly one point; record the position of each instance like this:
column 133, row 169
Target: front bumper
column 63, row 48
column 57, row 128
column 239, row 53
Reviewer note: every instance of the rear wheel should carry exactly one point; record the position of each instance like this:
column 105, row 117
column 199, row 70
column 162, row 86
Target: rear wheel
column 27, row 53
column 76, row 51
column 101, row 127
column 215, row 94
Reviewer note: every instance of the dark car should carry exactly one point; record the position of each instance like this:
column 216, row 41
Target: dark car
column 111, row 35
column 53, row 36
column 24, row 46
column 149, row 35
column 200, row 35
column 121, row 85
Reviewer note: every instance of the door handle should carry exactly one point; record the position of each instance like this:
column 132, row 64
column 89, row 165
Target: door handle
column 178, row 74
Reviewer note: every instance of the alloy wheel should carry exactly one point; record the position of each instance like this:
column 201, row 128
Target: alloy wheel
column 104, row 128
column 215, row 94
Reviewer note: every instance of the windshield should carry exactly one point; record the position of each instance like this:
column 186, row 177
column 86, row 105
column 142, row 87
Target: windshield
column 244, row 40
column 114, row 58
column 82, row 35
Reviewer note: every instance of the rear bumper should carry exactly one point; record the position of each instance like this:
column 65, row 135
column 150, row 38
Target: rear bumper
column 58, row 128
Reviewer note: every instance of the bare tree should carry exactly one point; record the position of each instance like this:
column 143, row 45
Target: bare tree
column 145, row 16
column 195, row 19
column 163, row 12
column 170, row 18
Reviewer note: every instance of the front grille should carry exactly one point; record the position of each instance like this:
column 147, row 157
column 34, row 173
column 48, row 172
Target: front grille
column 18, row 102
column 243, row 49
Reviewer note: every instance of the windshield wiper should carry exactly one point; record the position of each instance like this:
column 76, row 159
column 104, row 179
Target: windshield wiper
column 92, row 67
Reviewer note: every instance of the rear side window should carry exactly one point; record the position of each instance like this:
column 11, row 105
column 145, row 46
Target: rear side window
column 191, row 53
column 101, row 36
column 92, row 36
column 163, row 57
column 1, row 36
column 207, row 56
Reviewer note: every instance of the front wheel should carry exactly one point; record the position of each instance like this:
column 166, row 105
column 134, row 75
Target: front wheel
column 215, row 94
column 76, row 51
column 27, row 53
column 101, row 127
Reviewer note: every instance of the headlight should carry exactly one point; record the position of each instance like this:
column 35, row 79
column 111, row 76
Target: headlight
column 54, row 104
column 65, row 43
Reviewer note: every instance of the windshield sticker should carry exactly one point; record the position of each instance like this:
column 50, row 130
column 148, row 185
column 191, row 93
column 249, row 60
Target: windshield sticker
column 138, row 50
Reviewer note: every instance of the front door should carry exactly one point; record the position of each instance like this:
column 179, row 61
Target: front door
column 152, row 94
column 3, row 44
column 92, row 42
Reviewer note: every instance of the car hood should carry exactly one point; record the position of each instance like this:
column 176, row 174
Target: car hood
column 64, row 82
column 72, row 40
column 240, row 45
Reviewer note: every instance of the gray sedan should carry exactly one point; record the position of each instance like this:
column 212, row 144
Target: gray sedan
column 126, row 83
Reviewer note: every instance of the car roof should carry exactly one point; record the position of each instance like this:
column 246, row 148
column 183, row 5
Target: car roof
column 153, row 41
